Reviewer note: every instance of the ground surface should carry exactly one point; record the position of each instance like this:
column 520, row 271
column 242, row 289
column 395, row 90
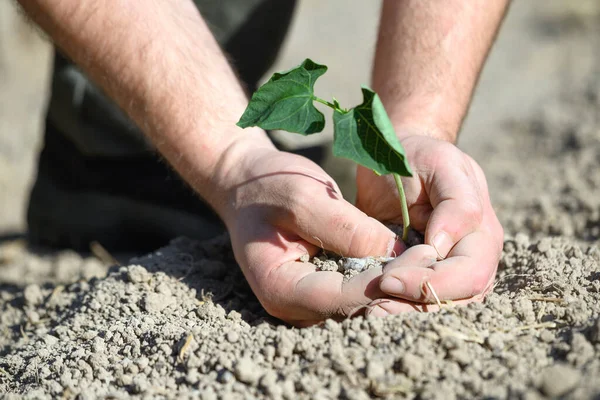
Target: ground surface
column 181, row 322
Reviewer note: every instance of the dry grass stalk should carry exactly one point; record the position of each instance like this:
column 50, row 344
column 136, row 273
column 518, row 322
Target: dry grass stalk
column 185, row 347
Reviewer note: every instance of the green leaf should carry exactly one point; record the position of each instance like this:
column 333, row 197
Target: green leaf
column 286, row 102
column 366, row 135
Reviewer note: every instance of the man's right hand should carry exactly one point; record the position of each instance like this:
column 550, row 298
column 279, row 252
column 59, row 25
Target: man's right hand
column 280, row 206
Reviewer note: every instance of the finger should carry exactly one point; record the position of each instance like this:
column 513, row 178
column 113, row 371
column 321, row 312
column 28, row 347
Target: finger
column 416, row 257
column 336, row 225
column 458, row 205
column 467, row 272
column 264, row 248
column 298, row 294
column 422, row 255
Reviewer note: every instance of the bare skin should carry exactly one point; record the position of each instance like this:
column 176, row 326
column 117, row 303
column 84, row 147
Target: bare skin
column 160, row 63
column 429, row 56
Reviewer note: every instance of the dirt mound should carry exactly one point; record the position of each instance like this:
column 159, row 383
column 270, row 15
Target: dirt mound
column 544, row 173
column 182, row 322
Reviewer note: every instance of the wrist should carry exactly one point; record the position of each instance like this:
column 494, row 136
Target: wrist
column 405, row 129
column 425, row 118
column 231, row 171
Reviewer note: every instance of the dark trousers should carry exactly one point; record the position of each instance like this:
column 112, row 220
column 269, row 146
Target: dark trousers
column 99, row 178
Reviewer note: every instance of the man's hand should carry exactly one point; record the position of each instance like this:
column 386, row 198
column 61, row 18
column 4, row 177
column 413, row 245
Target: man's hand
column 448, row 200
column 428, row 58
column 280, row 207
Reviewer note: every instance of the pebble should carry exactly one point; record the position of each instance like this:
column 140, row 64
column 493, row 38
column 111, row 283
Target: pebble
column 138, row 274
column 558, row 380
column 209, row 394
column 50, row 340
column 495, row 342
column 156, row 302
column 246, row 371
column 33, row 295
column 225, row 376
column 163, row 288
column 544, row 245
column 232, row 336
column 412, row 365
column 364, row 339
column 285, row 347
column 375, row 370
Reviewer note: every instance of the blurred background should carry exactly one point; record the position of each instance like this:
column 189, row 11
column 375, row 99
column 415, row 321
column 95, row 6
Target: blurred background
column 544, row 51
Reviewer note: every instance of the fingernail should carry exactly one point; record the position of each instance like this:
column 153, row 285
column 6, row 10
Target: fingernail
column 391, row 285
column 442, row 244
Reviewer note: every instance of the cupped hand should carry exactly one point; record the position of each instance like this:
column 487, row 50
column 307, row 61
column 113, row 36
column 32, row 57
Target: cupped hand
column 282, row 206
column 449, row 202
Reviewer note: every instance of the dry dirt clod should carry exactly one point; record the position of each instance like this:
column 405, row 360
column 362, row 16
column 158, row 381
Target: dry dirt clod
column 558, row 380
column 33, row 295
column 156, row 302
column 182, row 321
column 247, row 371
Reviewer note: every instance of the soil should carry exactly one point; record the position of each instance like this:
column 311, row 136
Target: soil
column 182, row 323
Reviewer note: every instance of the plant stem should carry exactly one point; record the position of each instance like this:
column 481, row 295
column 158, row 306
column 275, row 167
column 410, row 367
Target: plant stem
column 328, row 104
column 405, row 217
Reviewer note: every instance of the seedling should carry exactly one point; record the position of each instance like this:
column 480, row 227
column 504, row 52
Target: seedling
column 363, row 134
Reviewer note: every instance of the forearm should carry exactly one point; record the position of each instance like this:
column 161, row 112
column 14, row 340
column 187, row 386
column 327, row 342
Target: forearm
column 161, row 64
column 428, row 59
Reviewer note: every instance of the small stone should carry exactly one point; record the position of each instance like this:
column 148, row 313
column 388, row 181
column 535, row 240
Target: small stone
column 33, row 317
column 269, row 353
column 208, row 394
column 98, row 345
column 375, row 370
column 33, row 295
column 269, row 383
column 304, row 258
column 558, row 380
column 364, row 339
column 192, row 376
column 156, row 302
column 285, row 347
column 544, row 245
column 140, row 384
column 163, row 288
column 225, row 376
column 495, row 342
column 138, row 274
column 232, row 336
column 246, row 371
column 546, row 336
column 522, row 239
column 412, row 366
column 50, row 340
column 89, row 335
column 98, row 361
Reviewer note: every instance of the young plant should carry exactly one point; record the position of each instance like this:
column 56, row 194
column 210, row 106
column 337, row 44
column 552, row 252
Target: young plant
column 363, row 134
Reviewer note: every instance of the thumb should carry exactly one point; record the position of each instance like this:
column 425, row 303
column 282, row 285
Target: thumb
column 336, row 225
